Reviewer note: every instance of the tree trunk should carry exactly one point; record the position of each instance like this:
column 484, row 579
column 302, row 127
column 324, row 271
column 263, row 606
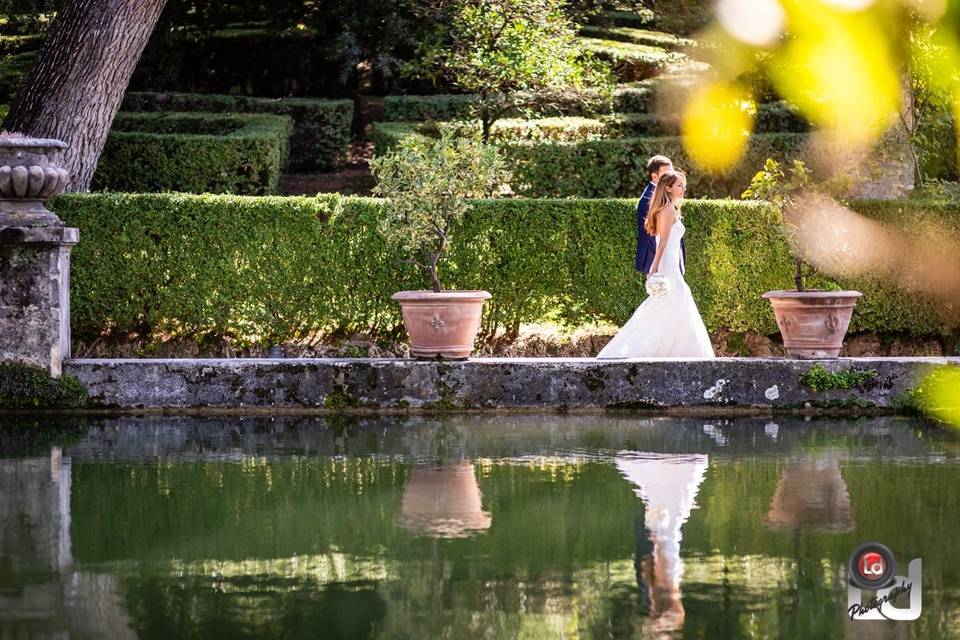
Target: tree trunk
column 75, row 87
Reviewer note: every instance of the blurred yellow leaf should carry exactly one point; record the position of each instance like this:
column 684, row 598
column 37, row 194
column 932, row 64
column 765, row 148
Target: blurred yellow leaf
column 939, row 394
column 717, row 120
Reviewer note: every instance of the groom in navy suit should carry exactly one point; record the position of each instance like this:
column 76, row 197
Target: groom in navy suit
column 647, row 244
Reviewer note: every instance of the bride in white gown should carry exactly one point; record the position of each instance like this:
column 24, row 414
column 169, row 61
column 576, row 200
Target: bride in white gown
column 668, row 326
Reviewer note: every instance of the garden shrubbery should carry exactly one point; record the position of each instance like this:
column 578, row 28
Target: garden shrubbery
column 602, row 168
column 274, row 269
column 28, row 386
column 194, row 152
column 321, row 128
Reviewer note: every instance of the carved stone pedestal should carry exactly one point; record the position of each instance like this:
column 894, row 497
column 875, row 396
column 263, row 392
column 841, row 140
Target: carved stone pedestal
column 34, row 254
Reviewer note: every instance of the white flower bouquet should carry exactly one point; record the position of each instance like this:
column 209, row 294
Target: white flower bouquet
column 657, row 285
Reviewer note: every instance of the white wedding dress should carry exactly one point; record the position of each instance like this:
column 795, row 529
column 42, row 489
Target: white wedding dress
column 666, row 327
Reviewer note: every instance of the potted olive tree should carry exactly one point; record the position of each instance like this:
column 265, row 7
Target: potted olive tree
column 812, row 322
column 427, row 185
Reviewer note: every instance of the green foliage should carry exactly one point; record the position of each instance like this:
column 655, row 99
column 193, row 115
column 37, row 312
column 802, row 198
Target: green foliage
column 782, row 188
column 681, row 16
column 244, row 268
column 514, row 54
column 194, row 152
column 642, row 17
column 632, row 62
column 637, row 36
column 423, row 108
column 28, row 386
column 615, row 168
column 10, row 45
column 818, row 378
column 610, row 168
column 4, row 109
column 321, row 128
column 13, row 69
column 426, row 185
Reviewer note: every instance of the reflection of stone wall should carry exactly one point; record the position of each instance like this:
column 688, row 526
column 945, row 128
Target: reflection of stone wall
column 43, row 597
column 35, row 543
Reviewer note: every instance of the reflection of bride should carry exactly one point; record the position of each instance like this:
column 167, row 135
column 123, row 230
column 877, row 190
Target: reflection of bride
column 668, row 485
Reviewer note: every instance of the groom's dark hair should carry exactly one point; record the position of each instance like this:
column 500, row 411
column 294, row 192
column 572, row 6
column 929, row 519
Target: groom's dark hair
column 655, row 163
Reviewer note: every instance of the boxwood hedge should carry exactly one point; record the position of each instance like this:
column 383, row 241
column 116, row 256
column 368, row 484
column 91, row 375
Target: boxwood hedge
column 194, row 153
column 321, row 128
column 270, row 268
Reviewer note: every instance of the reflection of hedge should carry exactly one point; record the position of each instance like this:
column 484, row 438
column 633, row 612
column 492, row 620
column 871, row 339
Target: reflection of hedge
column 194, row 152
column 284, row 267
column 321, row 128
column 614, row 168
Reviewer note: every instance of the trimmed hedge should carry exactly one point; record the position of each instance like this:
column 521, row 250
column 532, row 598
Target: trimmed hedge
column 321, row 128
column 13, row 70
column 194, row 152
column 637, row 36
column 633, row 62
column 272, row 269
column 774, row 117
column 615, row 167
column 10, row 45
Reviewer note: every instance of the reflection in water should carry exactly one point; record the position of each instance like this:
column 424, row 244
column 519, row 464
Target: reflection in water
column 443, row 502
column 42, row 596
column 264, row 528
column 668, row 485
column 811, row 495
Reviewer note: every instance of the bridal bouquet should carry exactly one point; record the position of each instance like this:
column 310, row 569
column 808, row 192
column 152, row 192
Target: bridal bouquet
column 657, row 285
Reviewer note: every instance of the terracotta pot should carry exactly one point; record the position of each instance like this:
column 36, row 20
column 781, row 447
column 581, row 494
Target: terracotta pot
column 441, row 324
column 813, row 323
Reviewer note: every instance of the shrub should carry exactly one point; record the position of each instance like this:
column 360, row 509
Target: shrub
column 10, row 45
column 634, row 19
column 194, row 152
column 612, row 168
column 13, row 69
column 28, row 386
column 4, row 109
column 600, row 168
column 423, row 108
column 321, row 128
column 247, row 267
column 632, row 62
column 637, row 36
column 937, row 148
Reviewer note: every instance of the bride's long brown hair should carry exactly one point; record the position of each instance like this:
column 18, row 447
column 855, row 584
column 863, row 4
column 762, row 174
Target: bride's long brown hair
column 661, row 199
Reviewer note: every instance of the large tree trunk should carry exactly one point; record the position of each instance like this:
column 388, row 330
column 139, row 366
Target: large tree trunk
column 77, row 84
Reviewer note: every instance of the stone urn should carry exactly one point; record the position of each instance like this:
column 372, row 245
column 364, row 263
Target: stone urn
column 813, row 323
column 30, row 173
column 443, row 324
column 443, row 502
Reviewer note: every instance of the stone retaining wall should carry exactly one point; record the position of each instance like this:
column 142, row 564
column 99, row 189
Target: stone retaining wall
column 724, row 384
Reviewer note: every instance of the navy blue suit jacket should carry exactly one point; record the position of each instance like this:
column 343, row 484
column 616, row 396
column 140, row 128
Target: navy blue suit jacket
column 646, row 243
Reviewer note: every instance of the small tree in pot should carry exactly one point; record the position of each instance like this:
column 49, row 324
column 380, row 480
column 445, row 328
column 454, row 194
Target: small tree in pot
column 812, row 323
column 427, row 185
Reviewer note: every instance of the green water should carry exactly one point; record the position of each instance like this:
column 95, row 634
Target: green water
column 468, row 527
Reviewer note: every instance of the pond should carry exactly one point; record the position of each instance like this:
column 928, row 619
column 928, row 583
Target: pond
column 468, row 526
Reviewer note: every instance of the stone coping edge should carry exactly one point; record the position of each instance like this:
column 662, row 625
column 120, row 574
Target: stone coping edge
column 370, row 385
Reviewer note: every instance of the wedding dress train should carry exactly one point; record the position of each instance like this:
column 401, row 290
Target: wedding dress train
column 666, row 327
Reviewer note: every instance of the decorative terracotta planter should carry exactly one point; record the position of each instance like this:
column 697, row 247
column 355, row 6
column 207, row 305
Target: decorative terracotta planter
column 813, row 323
column 30, row 173
column 441, row 324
